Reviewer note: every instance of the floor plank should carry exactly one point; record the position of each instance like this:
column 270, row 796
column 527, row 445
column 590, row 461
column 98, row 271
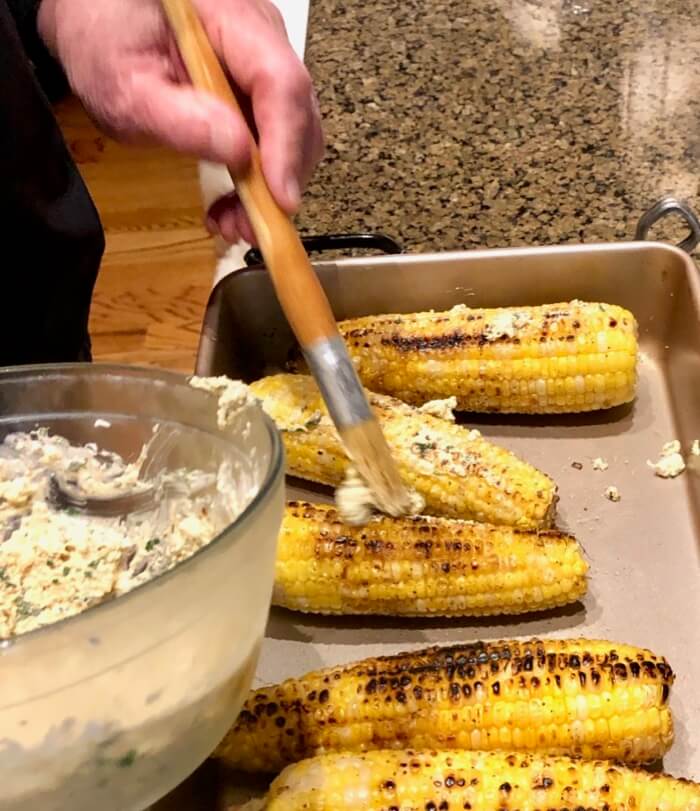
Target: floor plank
column 159, row 261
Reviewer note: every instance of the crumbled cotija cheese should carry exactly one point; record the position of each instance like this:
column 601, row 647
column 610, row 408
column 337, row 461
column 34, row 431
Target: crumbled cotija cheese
column 670, row 462
column 505, row 324
column 432, row 458
column 441, row 408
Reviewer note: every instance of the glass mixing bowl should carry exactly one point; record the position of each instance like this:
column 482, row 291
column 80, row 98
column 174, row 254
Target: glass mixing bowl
column 114, row 707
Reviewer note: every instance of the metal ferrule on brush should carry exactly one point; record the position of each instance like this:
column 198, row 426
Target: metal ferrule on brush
column 340, row 386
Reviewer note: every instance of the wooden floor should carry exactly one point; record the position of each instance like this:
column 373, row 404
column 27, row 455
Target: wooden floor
column 159, row 263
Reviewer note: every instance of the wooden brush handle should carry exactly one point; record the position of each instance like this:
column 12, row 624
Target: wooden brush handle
column 298, row 289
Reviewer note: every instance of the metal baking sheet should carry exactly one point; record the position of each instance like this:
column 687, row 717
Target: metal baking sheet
column 644, row 551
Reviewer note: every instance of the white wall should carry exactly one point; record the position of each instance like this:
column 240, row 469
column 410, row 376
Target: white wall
column 296, row 17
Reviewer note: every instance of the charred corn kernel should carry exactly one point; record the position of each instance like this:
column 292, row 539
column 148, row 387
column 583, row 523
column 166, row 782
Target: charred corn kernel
column 421, row 566
column 458, row 472
column 571, row 357
column 443, row 698
column 487, row 781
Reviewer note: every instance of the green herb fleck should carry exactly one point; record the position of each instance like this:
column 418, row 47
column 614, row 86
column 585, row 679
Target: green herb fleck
column 26, row 609
column 66, row 571
column 151, row 544
column 55, row 581
column 88, row 573
column 3, row 576
column 423, row 447
column 50, row 564
column 311, row 423
column 128, row 759
column 94, row 563
column 71, row 511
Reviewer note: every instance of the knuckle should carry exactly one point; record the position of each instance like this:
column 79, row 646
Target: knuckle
column 288, row 73
column 301, row 81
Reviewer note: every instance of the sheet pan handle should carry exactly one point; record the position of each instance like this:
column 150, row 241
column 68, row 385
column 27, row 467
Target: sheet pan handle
column 664, row 207
column 337, row 242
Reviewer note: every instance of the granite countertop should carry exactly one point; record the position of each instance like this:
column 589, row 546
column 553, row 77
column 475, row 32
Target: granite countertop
column 463, row 123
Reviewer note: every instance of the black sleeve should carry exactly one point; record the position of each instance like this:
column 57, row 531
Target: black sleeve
column 47, row 70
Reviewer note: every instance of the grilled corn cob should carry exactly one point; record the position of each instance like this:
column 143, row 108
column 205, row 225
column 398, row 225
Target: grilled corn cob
column 487, row 781
column 531, row 360
column 579, row 697
column 458, row 473
column 421, row 566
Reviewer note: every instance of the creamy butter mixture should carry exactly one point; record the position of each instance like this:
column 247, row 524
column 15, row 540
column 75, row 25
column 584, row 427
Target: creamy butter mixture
column 55, row 562
column 234, row 397
column 95, row 750
column 505, row 324
column 357, row 503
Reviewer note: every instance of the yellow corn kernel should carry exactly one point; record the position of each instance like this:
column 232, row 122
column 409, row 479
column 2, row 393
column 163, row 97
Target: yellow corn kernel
column 485, row 357
column 441, row 698
column 457, row 779
column 459, row 473
column 420, row 566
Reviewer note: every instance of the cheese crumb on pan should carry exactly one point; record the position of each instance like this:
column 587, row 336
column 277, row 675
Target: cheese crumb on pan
column 612, row 494
column 695, row 448
column 600, row 464
column 670, row 462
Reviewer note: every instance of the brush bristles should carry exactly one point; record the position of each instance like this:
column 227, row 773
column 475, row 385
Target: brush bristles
column 370, row 454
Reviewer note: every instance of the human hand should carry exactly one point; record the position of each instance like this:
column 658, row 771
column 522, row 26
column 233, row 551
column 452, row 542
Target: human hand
column 122, row 61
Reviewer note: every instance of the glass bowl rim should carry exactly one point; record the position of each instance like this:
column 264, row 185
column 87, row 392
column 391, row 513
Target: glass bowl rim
column 235, row 529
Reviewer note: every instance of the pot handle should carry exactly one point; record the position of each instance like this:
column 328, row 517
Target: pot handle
column 664, row 207
column 337, row 242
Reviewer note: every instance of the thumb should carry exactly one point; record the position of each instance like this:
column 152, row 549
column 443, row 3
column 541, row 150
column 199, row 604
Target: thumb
column 185, row 119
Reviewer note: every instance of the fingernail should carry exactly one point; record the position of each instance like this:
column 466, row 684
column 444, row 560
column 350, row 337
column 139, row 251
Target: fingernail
column 293, row 191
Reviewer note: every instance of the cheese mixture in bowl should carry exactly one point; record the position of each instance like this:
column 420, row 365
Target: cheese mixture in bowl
column 56, row 562
column 127, row 644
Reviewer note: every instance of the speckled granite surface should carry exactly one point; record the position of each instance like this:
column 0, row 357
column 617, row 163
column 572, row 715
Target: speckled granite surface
column 463, row 123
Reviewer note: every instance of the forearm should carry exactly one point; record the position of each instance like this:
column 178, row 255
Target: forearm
column 48, row 71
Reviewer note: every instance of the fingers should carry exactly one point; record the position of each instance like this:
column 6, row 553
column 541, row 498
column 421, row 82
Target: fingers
column 264, row 66
column 291, row 143
column 227, row 218
column 180, row 117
